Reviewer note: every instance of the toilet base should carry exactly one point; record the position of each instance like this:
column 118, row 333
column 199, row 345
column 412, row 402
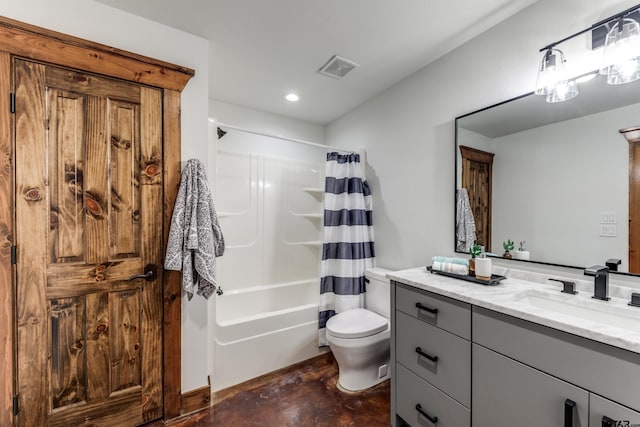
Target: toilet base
column 343, row 389
column 360, row 360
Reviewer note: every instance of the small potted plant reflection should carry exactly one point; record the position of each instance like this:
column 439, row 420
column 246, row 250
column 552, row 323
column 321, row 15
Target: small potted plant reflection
column 508, row 246
column 474, row 251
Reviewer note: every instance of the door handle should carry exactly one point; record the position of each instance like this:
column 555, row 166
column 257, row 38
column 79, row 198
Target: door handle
column 569, row 406
column 150, row 273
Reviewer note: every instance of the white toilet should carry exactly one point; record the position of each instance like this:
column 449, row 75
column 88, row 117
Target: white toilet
column 360, row 338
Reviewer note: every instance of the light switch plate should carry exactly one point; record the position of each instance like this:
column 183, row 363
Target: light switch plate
column 608, row 230
column 608, row 217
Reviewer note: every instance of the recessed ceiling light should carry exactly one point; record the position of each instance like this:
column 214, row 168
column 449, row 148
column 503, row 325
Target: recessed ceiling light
column 292, row 97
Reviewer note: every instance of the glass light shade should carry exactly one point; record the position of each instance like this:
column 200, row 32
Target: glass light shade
column 621, row 55
column 551, row 72
column 628, row 71
column 563, row 91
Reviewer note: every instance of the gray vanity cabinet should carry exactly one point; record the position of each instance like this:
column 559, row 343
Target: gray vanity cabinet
column 509, row 393
column 606, row 413
column 467, row 365
column 431, row 359
column 525, row 374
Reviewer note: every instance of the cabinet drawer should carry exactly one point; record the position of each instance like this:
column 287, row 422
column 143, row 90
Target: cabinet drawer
column 609, row 371
column 508, row 393
column 453, row 316
column 451, row 372
column 618, row 415
column 412, row 391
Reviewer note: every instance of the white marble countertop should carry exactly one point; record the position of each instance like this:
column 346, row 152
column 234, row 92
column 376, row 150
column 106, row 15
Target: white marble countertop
column 619, row 324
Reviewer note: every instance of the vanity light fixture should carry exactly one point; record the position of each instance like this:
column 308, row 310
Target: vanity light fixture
column 621, row 58
column 621, row 55
column 552, row 80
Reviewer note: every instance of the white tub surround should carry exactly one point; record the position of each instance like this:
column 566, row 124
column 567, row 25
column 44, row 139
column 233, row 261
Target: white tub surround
column 269, row 200
column 263, row 329
column 513, row 296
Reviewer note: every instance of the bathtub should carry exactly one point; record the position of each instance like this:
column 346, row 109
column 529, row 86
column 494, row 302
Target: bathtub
column 264, row 328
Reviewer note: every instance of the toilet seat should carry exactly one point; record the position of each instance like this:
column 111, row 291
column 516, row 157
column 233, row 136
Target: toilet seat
column 356, row 323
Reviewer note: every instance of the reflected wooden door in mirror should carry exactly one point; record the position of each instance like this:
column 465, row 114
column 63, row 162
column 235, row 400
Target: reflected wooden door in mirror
column 477, row 168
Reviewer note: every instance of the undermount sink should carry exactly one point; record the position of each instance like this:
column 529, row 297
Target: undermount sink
column 585, row 308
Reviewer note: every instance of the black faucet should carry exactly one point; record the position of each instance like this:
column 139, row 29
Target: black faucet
column 601, row 281
column 613, row 263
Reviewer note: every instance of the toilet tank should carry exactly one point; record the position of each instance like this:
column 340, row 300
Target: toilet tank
column 378, row 296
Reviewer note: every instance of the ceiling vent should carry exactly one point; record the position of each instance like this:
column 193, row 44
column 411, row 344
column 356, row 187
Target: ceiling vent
column 337, row 67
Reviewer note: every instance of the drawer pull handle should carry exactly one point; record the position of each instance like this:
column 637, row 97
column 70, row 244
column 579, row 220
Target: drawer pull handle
column 569, row 406
column 425, row 308
column 424, row 414
column 607, row 422
column 434, row 359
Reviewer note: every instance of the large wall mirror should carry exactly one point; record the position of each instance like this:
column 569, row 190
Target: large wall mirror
column 559, row 177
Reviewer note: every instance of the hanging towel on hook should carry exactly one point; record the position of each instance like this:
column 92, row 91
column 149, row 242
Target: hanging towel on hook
column 465, row 224
column 195, row 236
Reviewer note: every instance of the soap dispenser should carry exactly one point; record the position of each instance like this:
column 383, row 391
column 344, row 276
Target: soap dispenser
column 522, row 252
column 483, row 266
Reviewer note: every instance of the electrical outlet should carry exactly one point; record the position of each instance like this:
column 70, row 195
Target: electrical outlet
column 608, row 231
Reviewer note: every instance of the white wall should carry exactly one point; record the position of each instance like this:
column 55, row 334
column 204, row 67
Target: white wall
column 408, row 130
column 471, row 139
column 266, row 122
column 551, row 183
column 99, row 23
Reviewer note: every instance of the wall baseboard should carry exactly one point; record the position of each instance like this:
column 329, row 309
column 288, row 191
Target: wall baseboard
column 196, row 399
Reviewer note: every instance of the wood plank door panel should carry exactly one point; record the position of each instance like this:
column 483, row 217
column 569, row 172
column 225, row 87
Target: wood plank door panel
column 89, row 216
column 477, row 178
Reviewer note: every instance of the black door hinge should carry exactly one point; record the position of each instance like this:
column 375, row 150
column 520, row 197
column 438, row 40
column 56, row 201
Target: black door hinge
column 12, row 102
column 14, row 255
column 15, row 405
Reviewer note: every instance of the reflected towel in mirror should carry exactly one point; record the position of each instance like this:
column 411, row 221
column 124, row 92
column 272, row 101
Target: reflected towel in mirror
column 465, row 224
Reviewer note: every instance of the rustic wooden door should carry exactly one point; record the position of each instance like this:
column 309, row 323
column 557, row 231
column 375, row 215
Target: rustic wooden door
column 477, row 168
column 88, row 218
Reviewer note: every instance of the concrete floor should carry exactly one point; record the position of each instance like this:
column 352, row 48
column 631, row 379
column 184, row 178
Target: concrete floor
column 301, row 395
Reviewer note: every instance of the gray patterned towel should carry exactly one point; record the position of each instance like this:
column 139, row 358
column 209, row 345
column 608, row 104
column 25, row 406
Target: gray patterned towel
column 465, row 224
column 195, row 237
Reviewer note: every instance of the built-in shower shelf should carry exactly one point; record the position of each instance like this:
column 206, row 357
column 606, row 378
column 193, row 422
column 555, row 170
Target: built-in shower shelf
column 314, row 243
column 310, row 215
column 314, row 190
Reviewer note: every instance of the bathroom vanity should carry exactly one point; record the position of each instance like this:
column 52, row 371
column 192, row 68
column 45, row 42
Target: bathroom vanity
column 518, row 353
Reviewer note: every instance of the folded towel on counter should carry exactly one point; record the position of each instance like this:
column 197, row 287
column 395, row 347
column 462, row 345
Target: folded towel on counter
column 450, row 267
column 450, row 260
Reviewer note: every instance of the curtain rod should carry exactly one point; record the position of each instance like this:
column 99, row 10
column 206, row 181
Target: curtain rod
column 284, row 138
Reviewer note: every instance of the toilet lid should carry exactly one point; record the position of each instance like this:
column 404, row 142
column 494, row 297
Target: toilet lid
column 356, row 323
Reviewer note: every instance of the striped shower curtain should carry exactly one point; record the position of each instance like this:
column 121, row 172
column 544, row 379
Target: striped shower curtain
column 347, row 249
